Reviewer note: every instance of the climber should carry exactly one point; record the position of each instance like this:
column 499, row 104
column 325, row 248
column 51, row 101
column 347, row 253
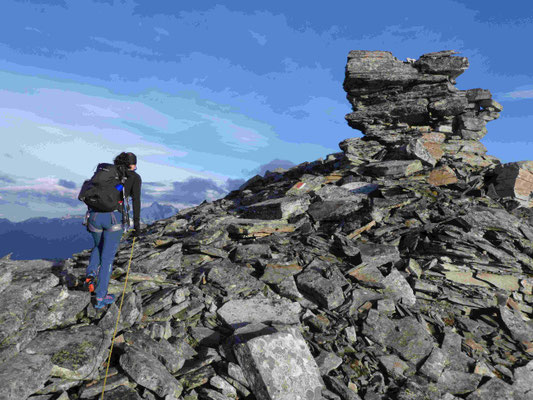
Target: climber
column 106, row 229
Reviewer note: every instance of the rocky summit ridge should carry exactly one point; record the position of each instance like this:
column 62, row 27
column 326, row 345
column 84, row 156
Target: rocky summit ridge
column 398, row 268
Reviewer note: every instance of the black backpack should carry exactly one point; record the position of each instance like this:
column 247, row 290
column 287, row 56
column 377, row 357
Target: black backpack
column 103, row 192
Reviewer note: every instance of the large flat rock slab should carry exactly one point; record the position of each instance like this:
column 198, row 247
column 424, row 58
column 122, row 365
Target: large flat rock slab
column 251, row 252
column 333, row 210
column 248, row 227
column 514, row 179
column 493, row 218
column 27, row 280
column 378, row 68
column 497, row 389
column 442, row 176
column 23, row 375
column 280, row 366
column 148, row 372
column 281, row 208
column 519, row 329
column 58, row 307
column 397, row 288
column 458, row 382
column 393, row 168
column 169, row 258
column 235, row 279
column 374, row 254
column 122, row 393
column 333, row 192
column 306, row 184
column 160, row 349
column 406, row 336
column 326, row 292
column 523, row 382
column 259, row 310
column 74, row 353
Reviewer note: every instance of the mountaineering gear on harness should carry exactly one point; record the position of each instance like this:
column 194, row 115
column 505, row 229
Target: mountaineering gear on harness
column 118, row 319
column 103, row 191
column 132, row 194
column 125, row 211
column 104, row 301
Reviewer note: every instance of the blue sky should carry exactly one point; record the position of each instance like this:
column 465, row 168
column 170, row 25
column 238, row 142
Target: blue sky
column 208, row 94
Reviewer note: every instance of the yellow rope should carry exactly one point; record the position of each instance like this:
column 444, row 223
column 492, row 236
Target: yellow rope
column 118, row 319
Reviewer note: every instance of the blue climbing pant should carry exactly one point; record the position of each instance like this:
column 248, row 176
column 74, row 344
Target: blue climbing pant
column 106, row 230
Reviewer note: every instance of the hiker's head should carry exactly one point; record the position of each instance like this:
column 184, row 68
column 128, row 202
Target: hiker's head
column 128, row 160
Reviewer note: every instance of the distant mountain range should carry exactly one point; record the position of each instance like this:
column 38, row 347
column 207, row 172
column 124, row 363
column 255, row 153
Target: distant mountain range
column 58, row 238
column 156, row 212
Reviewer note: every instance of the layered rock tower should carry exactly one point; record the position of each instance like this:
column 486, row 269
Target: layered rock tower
column 411, row 110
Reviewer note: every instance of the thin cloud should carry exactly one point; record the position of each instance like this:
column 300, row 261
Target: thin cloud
column 241, row 138
column 30, row 28
column 189, row 192
column 49, row 198
column 161, row 31
column 67, row 184
column 520, row 94
column 61, row 199
column 6, row 179
column 155, row 184
column 125, row 47
column 41, row 185
column 261, row 39
column 93, row 110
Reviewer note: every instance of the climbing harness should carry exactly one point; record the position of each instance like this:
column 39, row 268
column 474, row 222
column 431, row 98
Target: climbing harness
column 91, row 228
column 118, row 319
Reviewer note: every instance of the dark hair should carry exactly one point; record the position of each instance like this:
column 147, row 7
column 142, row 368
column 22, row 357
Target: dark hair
column 125, row 159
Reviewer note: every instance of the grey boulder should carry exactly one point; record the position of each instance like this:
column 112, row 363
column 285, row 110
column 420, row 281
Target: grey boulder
column 147, row 371
column 280, row 366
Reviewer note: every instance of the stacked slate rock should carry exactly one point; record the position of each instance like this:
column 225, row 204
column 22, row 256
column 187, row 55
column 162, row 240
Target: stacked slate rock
column 411, row 110
column 335, row 279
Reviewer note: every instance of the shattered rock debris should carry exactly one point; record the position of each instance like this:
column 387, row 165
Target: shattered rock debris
column 398, row 268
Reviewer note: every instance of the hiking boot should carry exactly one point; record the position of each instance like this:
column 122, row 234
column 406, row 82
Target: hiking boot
column 102, row 302
column 90, row 283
